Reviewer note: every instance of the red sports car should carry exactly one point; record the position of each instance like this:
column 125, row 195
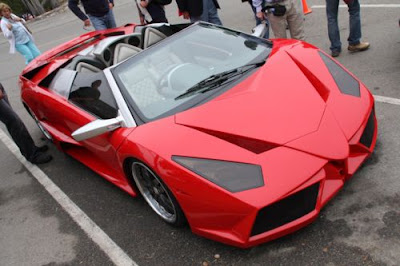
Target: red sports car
column 244, row 138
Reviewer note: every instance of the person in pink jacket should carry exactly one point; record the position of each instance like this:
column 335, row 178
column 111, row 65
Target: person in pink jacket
column 18, row 35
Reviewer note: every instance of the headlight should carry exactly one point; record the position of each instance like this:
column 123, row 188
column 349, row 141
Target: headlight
column 346, row 83
column 231, row 176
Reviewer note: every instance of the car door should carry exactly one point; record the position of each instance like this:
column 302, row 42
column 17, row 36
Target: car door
column 88, row 98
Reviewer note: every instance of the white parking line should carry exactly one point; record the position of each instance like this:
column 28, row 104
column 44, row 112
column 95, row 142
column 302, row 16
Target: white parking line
column 389, row 100
column 109, row 247
column 366, row 5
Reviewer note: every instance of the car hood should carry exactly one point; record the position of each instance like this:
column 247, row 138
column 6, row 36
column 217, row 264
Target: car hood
column 275, row 105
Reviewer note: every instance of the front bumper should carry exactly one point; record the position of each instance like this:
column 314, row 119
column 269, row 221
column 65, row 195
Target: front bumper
column 302, row 206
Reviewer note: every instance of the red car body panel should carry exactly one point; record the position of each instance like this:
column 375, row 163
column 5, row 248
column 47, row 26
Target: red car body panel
column 289, row 117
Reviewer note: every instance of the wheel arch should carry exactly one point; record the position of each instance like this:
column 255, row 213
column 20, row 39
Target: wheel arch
column 128, row 173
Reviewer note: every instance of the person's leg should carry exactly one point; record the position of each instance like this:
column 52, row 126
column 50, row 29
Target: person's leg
column 355, row 23
column 110, row 20
column 97, row 22
column 295, row 20
column 333, row 28
column 17, row 130
column 213, row 13
column 33, row 48
column 204, row 15
column 278, row 25
column 195, row 19
column 25, row 51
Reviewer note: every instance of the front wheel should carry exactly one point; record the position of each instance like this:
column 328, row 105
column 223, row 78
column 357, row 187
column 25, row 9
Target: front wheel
column 39, row 124
column 157, row 194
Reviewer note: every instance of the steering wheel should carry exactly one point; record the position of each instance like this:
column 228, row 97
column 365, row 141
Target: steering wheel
column 163, row 86
column 178, row 78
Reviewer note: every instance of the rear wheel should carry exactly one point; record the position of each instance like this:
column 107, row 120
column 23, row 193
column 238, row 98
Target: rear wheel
column 157, row 194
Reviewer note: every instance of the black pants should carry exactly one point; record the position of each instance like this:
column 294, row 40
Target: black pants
column 16, row 128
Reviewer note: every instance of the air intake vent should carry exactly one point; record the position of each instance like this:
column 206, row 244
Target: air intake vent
column 286, row 210
column 345, row 82
column 322, row 90
column 368, row 134
column 253, row 145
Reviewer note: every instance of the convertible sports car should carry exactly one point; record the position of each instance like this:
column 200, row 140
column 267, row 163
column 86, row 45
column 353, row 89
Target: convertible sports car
column 243, row 138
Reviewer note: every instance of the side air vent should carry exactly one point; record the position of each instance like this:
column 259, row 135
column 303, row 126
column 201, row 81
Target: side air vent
column 368, row 134
column 322, row 90
column 253, row 145
column 30, row 74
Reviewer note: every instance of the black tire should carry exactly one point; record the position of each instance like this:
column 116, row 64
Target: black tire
column 40, row 126
column 157, row 194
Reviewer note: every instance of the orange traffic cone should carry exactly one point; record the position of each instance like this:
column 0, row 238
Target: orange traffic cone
column 306, row 9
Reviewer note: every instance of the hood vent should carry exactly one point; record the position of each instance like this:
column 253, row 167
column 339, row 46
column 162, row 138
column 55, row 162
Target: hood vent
column 322, row 90
column 253, row 145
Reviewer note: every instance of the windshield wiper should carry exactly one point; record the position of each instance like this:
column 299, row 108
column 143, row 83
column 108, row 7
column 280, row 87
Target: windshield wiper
column 216, row 80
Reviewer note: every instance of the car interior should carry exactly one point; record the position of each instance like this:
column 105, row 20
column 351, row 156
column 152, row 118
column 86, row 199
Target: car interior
column 116, row 49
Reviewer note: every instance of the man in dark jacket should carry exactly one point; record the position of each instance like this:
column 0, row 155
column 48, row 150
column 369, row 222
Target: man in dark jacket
column 195, row 10
column 98, row 12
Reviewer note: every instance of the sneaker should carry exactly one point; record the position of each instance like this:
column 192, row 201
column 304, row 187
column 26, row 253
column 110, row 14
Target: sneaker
column 362, row 46
column 42, row 148
column 41, row 158
column 335, row 53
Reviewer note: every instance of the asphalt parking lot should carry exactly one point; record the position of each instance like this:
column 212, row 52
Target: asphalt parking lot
column 361, row 226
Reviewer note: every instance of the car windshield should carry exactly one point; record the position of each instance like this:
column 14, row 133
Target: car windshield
column 154, row 80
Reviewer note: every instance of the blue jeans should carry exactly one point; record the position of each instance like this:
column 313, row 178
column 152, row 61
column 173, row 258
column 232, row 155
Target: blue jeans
column 333, row 28
column 28, row 50
column 258, row 21
column 105, row 22
column 210, row 13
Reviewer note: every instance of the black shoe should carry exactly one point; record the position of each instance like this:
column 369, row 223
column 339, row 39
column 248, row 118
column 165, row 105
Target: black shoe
column 42, row 148
column 335, row 53
column 41, row 158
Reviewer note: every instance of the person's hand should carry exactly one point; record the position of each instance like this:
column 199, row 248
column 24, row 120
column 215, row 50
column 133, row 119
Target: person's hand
column 18, row 19
column 9, row 26
column 111, row 5
column 186, row 15
column 86, row 23
column 260, row 15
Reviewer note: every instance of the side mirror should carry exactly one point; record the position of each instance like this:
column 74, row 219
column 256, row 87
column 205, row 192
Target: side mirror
column 260, row 30
column 96, row 127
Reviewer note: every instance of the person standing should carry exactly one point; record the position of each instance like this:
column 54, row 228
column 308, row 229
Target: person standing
column 99, row 13
column 151, row 12
column 258, row 20
column 204, row 10
column 354, row 40
column 282, row 13
column 18, row 35
column 20, row 134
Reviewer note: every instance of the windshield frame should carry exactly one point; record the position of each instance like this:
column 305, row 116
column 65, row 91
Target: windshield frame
column 198, row 98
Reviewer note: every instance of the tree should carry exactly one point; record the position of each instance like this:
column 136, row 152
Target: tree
column 36, row 7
